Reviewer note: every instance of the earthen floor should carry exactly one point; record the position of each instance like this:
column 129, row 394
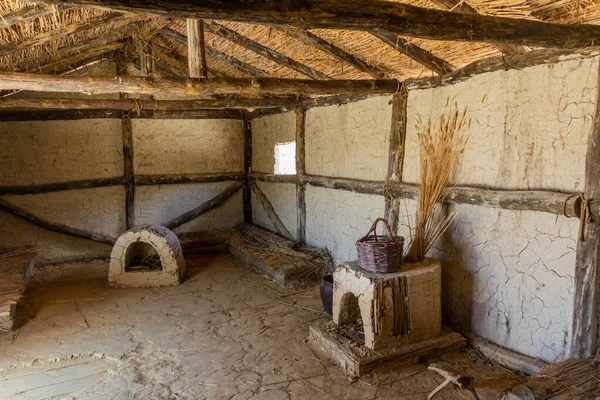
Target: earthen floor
column 226, row 333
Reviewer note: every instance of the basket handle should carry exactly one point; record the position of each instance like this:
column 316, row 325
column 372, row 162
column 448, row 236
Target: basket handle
column 374, row 230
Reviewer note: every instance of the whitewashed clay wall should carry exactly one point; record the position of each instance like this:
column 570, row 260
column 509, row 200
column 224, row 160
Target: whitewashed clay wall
column 40, row 152
column 507, row 275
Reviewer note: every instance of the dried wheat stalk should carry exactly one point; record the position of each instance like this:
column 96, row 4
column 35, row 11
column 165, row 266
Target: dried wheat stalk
column 441, row 146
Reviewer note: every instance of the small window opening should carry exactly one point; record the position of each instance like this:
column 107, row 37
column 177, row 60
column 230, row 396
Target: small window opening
column 285, row 158
column 142, row 256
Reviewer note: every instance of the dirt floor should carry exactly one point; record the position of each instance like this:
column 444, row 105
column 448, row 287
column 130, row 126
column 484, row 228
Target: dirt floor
column 226, row 333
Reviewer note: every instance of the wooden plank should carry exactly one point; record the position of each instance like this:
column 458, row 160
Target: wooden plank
column 54, row 226
column 271, row 213
column 66, row 31
column 29, row 13
column 93, row 114
column 313, row 40
column 368, row 15
column 274, row 178
column 247, row 199
column 300, row 170
column 128, row 174
column 204, row 207
column 212, row 52
column 422, row 56
column 192, row 88
column 145, row 180
column 396, row 155
column 61, row 186
column 264, row 51
column 584, row 339
column 196, row 54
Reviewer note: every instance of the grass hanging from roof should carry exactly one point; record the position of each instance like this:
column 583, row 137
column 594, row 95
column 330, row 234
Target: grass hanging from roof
column 441, row 146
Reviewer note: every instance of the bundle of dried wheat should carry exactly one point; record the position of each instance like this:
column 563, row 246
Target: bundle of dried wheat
column 441, row 146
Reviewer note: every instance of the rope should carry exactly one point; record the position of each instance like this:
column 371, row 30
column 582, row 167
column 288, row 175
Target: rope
column 585, row 214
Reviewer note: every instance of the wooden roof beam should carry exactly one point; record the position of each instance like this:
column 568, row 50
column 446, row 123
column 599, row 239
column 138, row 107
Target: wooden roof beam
column 264, row 51
column 193, row 88
column 175, row 58
column 416, row 53
column 30, row 13
column 66, row 31
column 313, row 40
column 196, row 53
column 367, row 15
column 461, row 6
column 214, row 53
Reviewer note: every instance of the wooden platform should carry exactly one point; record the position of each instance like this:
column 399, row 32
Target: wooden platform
column 356, row 360
column 12, row 288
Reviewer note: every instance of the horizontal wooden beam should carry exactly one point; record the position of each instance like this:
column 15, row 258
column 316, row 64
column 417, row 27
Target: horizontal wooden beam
column 61, row 186
column 543, row 201
column 368, row 15
column 313, row 40
column 97, row 114
column 142, row 180
column 205, row 207
column 192, row 88
column 502, row 63
column 29, row 13
column 422, row 56
column 264, row 51
column 54, row 226
column 65, row 31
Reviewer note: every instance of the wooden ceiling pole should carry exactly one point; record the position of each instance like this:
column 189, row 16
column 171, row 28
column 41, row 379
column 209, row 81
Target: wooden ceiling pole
column 214, row 53
column 192, row 88
column 66, row 31
column 30, row 13
column 461, row 6
column 196, row 53
column 368, row 15
column 313, row 40
column 418, row 54
column 264, row 51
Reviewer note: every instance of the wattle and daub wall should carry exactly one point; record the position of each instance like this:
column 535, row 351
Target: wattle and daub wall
column 507, row 275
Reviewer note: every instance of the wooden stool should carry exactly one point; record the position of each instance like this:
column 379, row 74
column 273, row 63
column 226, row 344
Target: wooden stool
column 453, row 375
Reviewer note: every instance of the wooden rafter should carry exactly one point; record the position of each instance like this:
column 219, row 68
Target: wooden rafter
column 313, row 40
column 65, row 31
column 196, row 52
column 75, row 61
column 264, row 51
column 368, row 15
column 164, row 54
column 29, row 13
column 214, row 53
column 461, row 6
column 416, row 53
column 192, row 88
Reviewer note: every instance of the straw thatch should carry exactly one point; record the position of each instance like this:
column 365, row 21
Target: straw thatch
column 361, row 45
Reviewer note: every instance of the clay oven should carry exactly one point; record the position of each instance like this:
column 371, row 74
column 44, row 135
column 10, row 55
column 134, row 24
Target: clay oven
column 146, row 256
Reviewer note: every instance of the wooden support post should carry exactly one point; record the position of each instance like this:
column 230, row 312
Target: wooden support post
column 196, row 53
column 300, row 171
column 128, row 178
column 396, row 156
column 247, row 199
column 271, row 213
column 584, row 339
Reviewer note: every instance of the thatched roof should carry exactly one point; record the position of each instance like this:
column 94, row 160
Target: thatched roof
column 99, row 33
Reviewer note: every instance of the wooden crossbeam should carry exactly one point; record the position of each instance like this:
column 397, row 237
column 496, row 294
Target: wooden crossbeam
column 264, row 51
column 413, row 51
column 196, row 54
column 313, row 40
column 369, row 15
column 461, row 6
column 214, row 53
column 30, row 13
column 66, row 31
column 192, row 88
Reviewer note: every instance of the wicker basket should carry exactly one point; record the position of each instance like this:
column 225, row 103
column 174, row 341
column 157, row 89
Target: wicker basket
column 380, row 253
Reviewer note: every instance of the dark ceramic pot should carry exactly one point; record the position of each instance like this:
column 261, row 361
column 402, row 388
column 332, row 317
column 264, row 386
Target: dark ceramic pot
column 327, row 294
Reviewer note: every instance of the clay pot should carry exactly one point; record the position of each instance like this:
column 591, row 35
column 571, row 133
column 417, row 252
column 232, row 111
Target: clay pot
column 327, row 294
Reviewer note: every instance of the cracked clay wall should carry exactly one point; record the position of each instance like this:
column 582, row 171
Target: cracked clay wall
column 508, row 275
column 43, row 152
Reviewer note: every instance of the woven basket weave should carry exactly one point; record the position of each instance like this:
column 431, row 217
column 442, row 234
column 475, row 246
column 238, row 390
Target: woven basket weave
column 380, row 253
